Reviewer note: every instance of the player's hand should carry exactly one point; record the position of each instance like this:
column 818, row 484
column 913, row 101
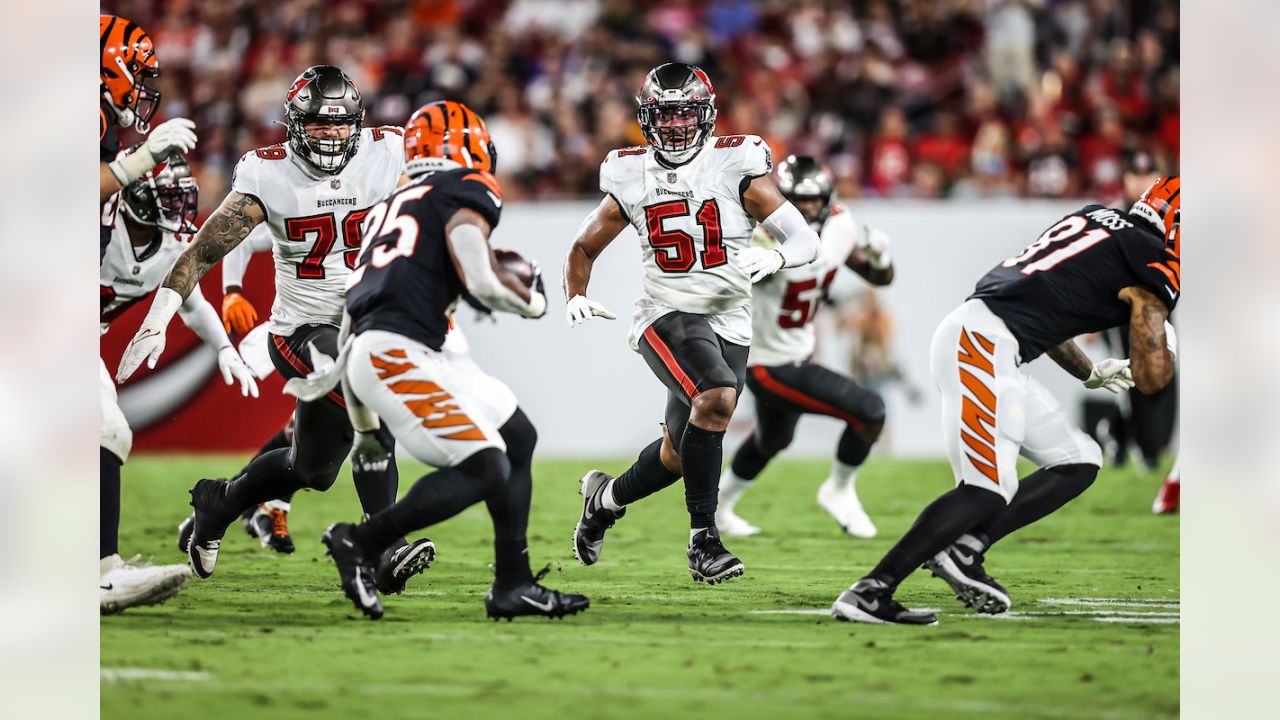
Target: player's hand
column 170, row 136
column 233, row 368
column 874, row 243
column 368, row 454
column 146, row 345
column 759, row 263
column 537, row 293
column 1112, row 374
column 238, row 314
column 581, row 309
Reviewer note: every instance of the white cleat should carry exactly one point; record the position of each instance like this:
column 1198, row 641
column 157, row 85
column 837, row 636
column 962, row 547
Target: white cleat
column 124, row 585
column 856, row 521
column 732, row 525
column 829, row 498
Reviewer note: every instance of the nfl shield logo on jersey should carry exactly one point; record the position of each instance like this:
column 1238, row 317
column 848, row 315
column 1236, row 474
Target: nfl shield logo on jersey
column 671, row 178
column 335, row 183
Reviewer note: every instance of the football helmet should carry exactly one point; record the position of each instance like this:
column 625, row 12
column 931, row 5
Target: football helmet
column 1161, row 208
column 677, row 111
column 165, row 198
column 804, row 179
column 128, row 61
column 447, row 134
column 323, row 94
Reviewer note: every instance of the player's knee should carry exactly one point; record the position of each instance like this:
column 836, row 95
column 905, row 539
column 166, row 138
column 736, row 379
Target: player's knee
column 117, row 437
column 774, row 441
column 521, row 438
column 489, row 469
column 871, row 411
column 1090, row 453
column 712, row 409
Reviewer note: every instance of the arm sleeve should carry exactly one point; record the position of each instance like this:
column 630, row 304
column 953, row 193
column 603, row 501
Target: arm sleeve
column 800, row 244
column 1153, row 266
column 203, row 320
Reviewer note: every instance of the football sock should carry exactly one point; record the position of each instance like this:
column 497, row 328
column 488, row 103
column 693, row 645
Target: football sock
column 852, row 449
column 1039, row 494
column 377, row 488
column 749, row 460
column 645, row 477
column 843, row 476
column 275, row 442
column 108, row 502
column 731, row 488
column 944, row 520
column 510, row 509
column 267, row 477
column 701, row 452
column 434, row 498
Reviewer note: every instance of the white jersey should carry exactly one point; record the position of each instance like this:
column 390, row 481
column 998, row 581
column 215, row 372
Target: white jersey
column 692, row 225
column 785, row 303
column 129, row 274
column 315, row 221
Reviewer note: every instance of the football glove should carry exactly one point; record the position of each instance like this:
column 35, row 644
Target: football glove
column 759, row 263
column 580, row 309
column 874, row 243
column 148, row 343
column 537, row 294
column 233, row 369
column 238, row 314
column 170, row 136
column 1112, row 374
column 368, row 454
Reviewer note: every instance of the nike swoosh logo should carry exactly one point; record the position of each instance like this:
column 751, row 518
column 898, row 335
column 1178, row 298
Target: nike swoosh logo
column 872, row 606
column 965, row 560
column 544, row 607
column 366, row 599
column 108, row 586
column 759, row 141
column 497, row 201
column 1172, row 295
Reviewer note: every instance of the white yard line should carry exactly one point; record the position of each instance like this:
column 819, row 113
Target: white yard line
column 117, row 674
column 1113, row 602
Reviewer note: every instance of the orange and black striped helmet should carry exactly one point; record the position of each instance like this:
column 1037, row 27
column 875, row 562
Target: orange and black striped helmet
column 1161, row 206
column 447, row 130
column 128, row 61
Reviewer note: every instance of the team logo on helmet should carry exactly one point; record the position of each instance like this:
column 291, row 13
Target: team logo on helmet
column 128, row 61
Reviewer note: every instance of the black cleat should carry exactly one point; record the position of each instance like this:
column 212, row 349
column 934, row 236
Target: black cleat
column 961, row 568
column 213, row 513
column 397, row 565
column 184, row 532
column 709, row 561
column 354, row 570
column 871, row 601
column 588, row 534
column 532, row 599
column 269, row 526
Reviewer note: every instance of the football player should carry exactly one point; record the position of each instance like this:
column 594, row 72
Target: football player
column 425, row 245
column 785, row 382
column 1094, row 269
column 313, row 191
column 149, row 234
column 128, row 62
column 694, row 198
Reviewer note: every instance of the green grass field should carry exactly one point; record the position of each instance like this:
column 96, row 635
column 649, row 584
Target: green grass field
column 1093, row 632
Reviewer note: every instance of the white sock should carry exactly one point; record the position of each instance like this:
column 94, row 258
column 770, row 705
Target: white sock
column 731, row 489
column 606, row 498
column 693, row 532
column 843, row 476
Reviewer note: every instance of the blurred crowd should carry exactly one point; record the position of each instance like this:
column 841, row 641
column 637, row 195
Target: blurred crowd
column 912, row 98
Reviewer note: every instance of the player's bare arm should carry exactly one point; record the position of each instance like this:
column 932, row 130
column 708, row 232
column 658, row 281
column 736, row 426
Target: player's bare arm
column 597, row 231
column 1071, row 358
column 1150, row 353
column 484, row 277
column 860, row 262
column 226, row 228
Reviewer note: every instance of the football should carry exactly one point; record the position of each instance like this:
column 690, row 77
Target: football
column 515, row 262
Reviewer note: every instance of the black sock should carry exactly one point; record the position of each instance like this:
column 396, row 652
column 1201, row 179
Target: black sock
column 749, row 460
column 267, row 477
column 108, row 502
column 944, row 520
column 852, row 448
column 646, row 476
column 1039, row 494
column 275, row 442
column 377, row 489
column 701, row 453
column 436, row 497
column 510, row 509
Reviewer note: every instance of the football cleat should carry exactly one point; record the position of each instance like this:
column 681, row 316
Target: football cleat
column 124, row 585
column 213, row 514
column 961, row 568
column 269, row 525
column 844, row 506
column 871, row 601
column 354, row 570
column 588, row 534
column 397, row 565
column 532, row 599
column 184, row 532
column 709, row 561
column 732, row 524
column 1167, row 499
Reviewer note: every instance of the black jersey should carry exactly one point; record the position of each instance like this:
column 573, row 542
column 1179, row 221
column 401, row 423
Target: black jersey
column 1067, row 283
column 405, row 281
column 108, row 148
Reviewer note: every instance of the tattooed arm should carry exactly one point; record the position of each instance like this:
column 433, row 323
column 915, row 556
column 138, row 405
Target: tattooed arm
column 1071, row 358
column 226, row 228
column 1150, row 358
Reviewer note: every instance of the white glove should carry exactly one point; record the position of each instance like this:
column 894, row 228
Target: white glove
column 874, row 243
column 368, row 454
column 1170, row 339
column 233, row 368
column 148, row 343
column 759, row 263
column 581, row 309
column 170, row 136
column 1112, row 374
